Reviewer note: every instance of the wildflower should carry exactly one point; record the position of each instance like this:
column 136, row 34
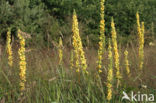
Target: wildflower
column 9, row 49
column 75, row 31
column 151, row 44
column 144, row 86
column 116, row 54
column 22, row 62
column 60, row 51
column 78, row 48
column 127, row 62
column 110, row 73
column 140, row 30
column 101, row 38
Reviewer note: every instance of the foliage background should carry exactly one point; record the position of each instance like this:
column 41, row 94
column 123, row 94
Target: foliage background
column 46, row 20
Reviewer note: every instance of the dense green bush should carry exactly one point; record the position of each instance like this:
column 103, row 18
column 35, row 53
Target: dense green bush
column 46, row 20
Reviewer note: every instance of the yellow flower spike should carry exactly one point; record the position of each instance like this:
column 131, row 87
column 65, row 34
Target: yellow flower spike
column 78, row 48
column 78, row 70
column 127, row 63
column 101, row 37
column 22, row 63
column 9, row 48
column 140, row 30
column 116, row 54
column 110, row 73
column 75, row 31
column 60, row 51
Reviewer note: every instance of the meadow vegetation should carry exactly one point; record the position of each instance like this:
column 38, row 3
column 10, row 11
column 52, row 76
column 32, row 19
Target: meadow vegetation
column 48, row 82
column 76, row 60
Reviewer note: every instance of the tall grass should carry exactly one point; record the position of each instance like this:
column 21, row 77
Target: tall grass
column 48, row 82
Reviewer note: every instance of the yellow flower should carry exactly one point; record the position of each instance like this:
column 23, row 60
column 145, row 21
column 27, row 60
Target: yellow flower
column 141, row 41
column 22, row 63
column 78, row 70
column 116, row 54
column 101, row 37
column 9, row 49
column 100, row 70
column 60, row 51
column 110, row 73
column 78, row 48
column 126, row 62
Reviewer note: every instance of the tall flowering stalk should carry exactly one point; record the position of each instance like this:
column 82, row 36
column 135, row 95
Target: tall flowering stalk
column 101, row 37
column 110, row 73
column 82, row 57
column 78, row 48
column 9, row 48
column 22, row 62
column 140, row 30
column 127, row 63
column 75, row 31
column 60, row 51
column 116, row 54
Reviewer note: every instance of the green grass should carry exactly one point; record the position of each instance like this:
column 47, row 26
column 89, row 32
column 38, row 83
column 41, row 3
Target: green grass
column 48, row 82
